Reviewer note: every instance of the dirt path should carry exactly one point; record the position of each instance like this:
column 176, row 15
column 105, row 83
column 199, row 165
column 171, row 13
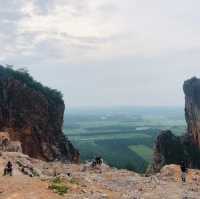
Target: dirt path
column 23, row 187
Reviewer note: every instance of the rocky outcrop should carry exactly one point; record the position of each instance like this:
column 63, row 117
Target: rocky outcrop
column 170, row 149
column 33, row 115
column 33, row 178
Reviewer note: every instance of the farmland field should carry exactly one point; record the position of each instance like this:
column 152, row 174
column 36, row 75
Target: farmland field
column 124, row 136
column 143, row 151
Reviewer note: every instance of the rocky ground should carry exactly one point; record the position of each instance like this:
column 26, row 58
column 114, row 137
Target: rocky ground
column 82, row 182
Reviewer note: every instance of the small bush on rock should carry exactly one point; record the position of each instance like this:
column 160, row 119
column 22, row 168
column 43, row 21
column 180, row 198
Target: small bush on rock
column 58, row 186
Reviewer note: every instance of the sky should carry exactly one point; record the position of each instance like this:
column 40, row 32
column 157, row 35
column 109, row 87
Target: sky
column 105, row 52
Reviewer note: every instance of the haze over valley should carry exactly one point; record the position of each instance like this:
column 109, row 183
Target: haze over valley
column 123, row 136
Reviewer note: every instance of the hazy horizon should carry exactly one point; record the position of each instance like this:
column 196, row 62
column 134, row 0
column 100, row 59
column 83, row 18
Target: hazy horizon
column 105, row 52
column 126, row 110
column 125, row 106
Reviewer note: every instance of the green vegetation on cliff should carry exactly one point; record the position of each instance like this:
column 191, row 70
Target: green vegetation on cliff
column 53, row 95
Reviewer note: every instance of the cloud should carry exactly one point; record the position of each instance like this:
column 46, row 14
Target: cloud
column 104, row 48
column 98, row 28
column 69, row 28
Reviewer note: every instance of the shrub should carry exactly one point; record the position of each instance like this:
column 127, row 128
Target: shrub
column 58, row 186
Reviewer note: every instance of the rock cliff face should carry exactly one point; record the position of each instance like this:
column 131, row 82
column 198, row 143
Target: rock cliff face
column 170, row 149
column 33, row 114
column 192, row 108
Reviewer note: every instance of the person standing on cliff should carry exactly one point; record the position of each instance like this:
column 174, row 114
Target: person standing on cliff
column 183, row 171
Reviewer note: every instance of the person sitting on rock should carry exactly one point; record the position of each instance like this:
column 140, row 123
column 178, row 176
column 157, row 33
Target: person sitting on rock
column 8, row 169
column 94, row 164
column 98, row 160
column 183, row 171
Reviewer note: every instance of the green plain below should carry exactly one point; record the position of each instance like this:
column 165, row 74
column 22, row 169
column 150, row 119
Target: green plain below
column 144, row 151
column 108, row 137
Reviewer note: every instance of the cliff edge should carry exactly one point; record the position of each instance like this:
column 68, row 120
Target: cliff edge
column 32, row 115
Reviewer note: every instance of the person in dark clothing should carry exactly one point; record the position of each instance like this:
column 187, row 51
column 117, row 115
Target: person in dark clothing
column 183, row 171
column 94, row 164
column 98, row 160
column 8, row 169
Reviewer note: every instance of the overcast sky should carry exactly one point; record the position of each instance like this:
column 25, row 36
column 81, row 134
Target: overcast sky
column 105, row 52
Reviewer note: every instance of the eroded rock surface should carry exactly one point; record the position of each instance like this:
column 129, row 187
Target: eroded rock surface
column 93, row 183
column 33, row 115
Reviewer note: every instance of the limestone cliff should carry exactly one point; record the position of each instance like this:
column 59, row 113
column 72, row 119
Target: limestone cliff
column 192, row 108
column 171, row 149
column 33, row 114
